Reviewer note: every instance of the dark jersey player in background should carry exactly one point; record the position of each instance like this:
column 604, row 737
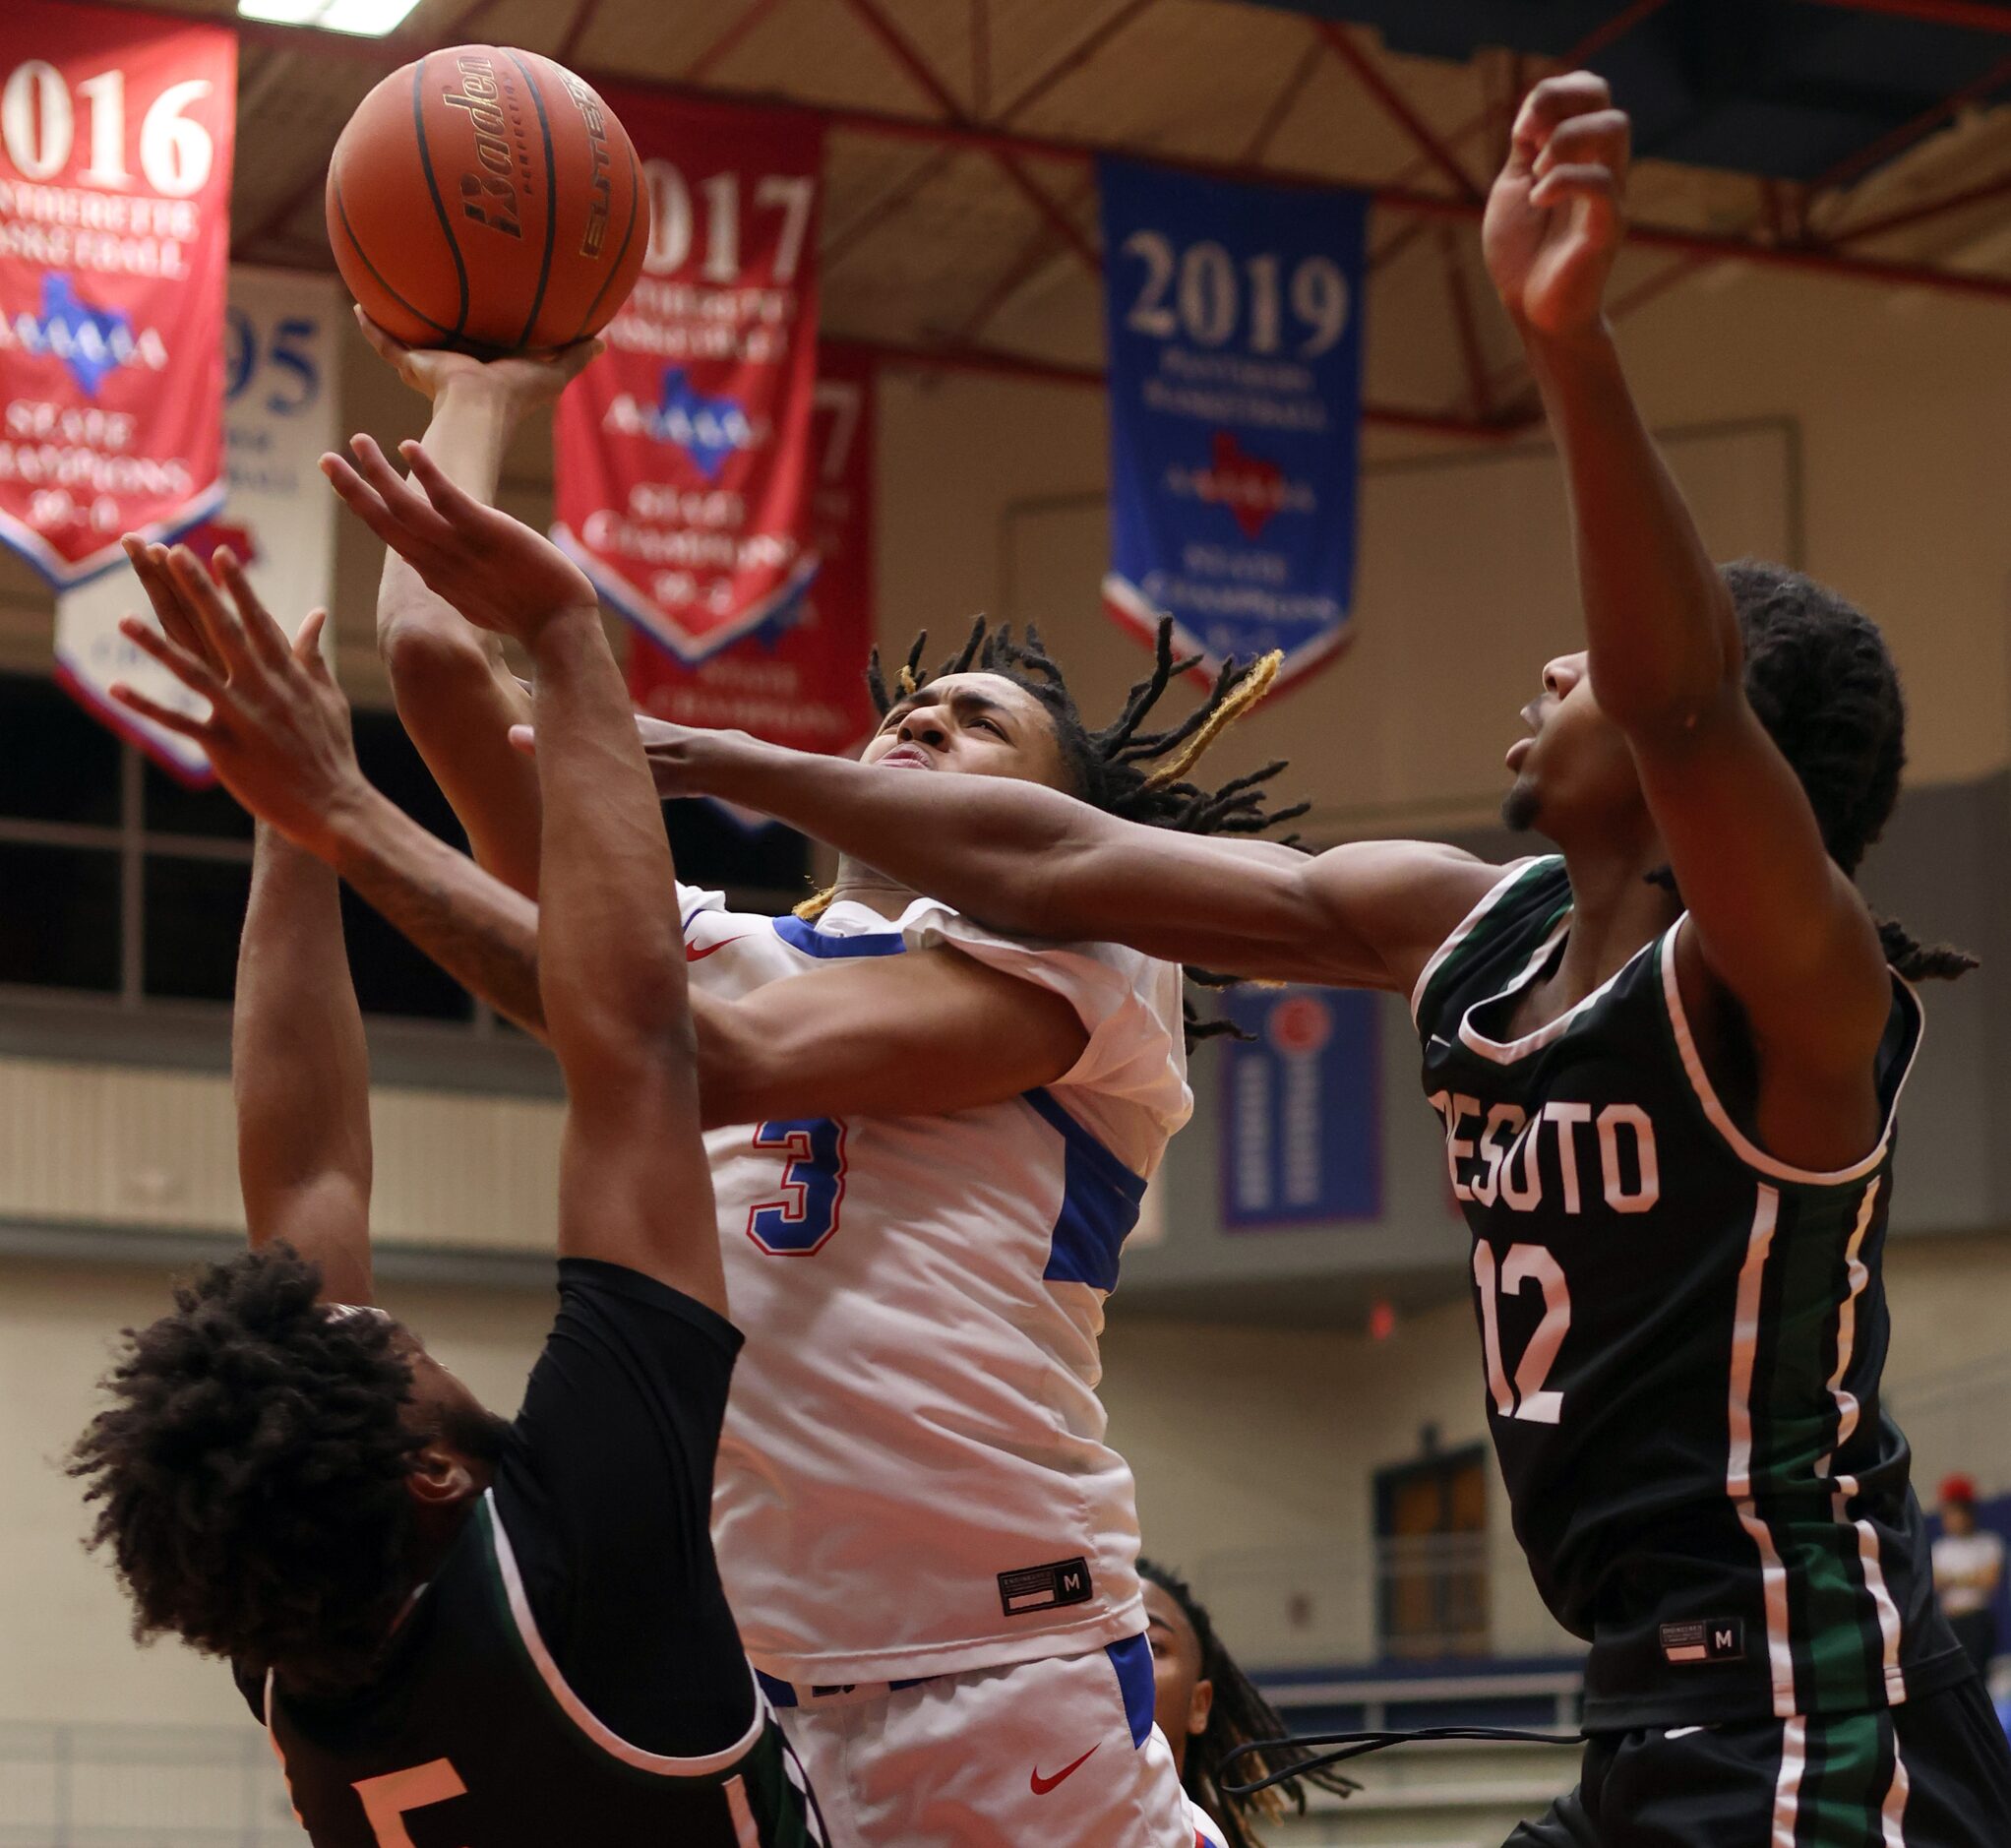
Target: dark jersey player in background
column 463, row 1631
column 1667, row 1062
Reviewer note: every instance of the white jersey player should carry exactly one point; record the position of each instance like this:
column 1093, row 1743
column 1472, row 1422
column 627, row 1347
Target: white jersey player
column 931, row 1547
column 929, row 1142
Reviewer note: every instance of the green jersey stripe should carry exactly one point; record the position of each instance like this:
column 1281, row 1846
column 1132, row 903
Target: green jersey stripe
column 1846, row 1781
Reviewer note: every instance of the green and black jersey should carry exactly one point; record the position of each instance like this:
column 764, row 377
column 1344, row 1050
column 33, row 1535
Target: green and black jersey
column 572, row 1673
column 1683, row 1339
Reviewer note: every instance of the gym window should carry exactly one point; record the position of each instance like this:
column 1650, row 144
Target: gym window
column 119, row 884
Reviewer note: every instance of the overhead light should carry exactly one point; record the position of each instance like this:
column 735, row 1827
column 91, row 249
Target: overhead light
column 365, row 19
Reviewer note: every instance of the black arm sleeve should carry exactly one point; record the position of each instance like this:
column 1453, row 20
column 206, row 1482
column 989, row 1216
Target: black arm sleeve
column 606, row 1494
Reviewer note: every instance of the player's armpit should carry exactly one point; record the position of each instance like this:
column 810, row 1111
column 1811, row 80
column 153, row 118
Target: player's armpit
column 922, row 1034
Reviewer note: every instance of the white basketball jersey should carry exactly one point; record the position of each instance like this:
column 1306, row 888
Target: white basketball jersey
column 913, row 1479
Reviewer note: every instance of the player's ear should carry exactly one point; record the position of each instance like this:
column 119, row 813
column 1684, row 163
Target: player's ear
column 1200, row 1704
column 439, row 1477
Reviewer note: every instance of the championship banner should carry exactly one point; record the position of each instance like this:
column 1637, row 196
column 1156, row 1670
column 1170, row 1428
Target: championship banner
column 1234, row 315
column 280, row 360
column 1301, row 1109
column 116, row 132
column 683, row 465
column 800, row 680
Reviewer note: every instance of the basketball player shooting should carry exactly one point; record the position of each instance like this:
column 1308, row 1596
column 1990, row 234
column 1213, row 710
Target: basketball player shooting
column 928, row 1542
column 463, row 1631
column 1667, row 1060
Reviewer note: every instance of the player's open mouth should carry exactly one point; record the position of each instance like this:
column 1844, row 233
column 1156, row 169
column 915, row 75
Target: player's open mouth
column 1518, row 751
column 907, row 757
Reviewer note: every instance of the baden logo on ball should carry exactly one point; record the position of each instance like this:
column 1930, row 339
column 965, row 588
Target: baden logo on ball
column 487, row 199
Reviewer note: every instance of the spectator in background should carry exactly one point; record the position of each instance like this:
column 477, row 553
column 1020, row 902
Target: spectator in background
column 1968, row 1562
column 1207, row 1706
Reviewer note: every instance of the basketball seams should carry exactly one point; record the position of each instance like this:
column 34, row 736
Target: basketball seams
column 376, row 274
column 544, row 122
column 621, row 256
column 460, row 269
column 385, row 155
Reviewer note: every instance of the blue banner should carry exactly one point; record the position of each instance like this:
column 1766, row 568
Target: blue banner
column 1235, row 334
column 1302, row 1141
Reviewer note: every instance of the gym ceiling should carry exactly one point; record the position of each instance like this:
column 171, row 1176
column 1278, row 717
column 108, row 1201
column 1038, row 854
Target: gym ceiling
column 1854, row 139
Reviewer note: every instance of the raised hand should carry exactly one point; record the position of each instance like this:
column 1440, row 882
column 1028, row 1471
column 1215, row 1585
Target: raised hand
column 1558, row 215
column 496, row 570
column 277, row 731
column 524, row 381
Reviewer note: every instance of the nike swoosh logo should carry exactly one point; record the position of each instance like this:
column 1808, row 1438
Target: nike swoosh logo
column 698, row 955
column 1042, row 1785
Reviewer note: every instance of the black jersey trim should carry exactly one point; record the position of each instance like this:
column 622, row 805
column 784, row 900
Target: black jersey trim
column 1467, row 926
column 575, row 1711
column 1719, row 1119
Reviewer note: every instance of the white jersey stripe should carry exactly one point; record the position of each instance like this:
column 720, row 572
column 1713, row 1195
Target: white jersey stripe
column 1847, row 1408
column 1888, row 1612
column 1847, row 1414
column 1788, row 1786
column 744, row 1833
column 575, row 1711
column 1894, row 1815
column 1739, row 1464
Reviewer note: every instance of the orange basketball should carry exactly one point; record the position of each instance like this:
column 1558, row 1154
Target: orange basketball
column 486, row 198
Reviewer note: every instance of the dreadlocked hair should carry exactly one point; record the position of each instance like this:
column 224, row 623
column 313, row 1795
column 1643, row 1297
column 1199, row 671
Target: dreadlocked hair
column 1124, row 769
column 249, row 1472
column 1239, row 1716
column 1822, row 682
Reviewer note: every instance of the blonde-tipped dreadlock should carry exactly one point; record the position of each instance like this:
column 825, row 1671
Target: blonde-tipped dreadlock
column 1122, row 770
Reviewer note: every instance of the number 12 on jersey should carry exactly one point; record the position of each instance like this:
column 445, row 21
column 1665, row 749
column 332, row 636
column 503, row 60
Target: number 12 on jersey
column 798, row 1220
column 1531, row 1400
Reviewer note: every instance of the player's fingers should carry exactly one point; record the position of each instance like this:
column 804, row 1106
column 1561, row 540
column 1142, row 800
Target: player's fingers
column 524, row 738
column 149, row 566
column 381, row 344
column 362, row 500
column 268, row 638
column 453, row 502
column 406, row 503
column 1594, row 187
column 1604, row 138
column 1556, row 99
column 221, row 629
column 190, row 669
column 165, row 716
column 307, row 643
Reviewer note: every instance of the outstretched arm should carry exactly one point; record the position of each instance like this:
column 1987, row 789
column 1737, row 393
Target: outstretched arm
column 454, row 695
column 634, row 1186
column 1024, row 858
column 299, row 1072
column 1776, row 920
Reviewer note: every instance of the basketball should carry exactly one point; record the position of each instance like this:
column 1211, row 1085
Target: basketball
column 486, row 198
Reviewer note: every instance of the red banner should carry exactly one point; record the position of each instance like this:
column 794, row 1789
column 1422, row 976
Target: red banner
column 116, row 133
column 801, row 680
column 683, row 479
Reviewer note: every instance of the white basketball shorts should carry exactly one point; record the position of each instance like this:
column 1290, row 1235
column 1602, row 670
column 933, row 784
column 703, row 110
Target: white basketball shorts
column 1061, row 1751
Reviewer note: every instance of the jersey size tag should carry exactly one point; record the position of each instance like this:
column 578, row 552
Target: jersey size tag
column 1045, row 1588
column 1715, row 1639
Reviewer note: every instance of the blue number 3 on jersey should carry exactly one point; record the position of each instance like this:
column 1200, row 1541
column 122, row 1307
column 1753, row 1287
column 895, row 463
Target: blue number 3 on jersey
column 806, row 1214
